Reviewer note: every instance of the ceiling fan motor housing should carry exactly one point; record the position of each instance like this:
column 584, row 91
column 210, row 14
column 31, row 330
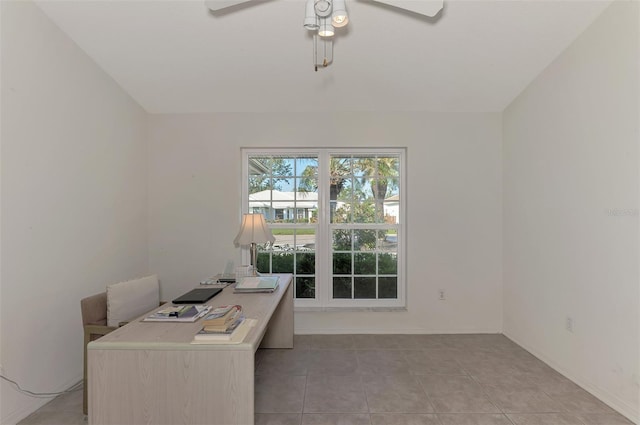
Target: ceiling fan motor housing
column 323, row 8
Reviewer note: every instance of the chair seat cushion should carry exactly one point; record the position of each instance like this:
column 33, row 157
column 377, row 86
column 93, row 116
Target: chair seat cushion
column 130, row 299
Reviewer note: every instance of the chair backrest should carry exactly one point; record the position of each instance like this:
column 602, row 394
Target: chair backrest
column 130, row 299
column 94, row 309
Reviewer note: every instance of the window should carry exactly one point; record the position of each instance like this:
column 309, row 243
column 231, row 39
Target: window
column 337, row 216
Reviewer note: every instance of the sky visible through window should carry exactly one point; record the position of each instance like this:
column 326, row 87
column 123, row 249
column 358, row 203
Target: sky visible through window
column 302, row 163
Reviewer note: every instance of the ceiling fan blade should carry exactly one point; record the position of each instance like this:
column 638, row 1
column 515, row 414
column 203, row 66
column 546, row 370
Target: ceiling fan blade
column 423, row 7
column 216, row 5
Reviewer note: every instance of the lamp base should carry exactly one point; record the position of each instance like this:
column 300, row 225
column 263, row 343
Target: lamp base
column 254, row 259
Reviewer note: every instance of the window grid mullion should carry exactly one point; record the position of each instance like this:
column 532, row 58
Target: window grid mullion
column 324, row 286
column 324, row 229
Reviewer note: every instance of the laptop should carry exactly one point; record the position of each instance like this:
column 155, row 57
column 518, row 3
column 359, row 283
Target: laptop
column 197, row 296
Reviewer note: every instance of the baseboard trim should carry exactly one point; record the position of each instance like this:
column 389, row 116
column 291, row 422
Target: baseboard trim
column 617, row 404
column 31, row 403
column 416, row 331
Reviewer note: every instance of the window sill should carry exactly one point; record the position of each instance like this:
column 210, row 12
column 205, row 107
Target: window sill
column 348, row 309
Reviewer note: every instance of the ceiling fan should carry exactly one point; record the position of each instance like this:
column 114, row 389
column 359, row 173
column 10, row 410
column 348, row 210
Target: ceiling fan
column 324, row 16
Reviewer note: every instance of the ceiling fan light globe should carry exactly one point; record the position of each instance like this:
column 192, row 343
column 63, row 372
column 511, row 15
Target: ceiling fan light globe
column 311, row 24
column 326, row 29
column 326, row 32
column 339, row 16
column 310, row 17
column 340, row 21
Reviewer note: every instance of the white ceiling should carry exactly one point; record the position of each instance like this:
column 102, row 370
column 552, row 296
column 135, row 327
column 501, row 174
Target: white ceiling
column 178, row 57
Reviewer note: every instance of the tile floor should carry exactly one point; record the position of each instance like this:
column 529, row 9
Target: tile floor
column 400, row 380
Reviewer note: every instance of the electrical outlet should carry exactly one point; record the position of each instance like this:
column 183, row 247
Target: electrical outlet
column 568, row 324
column 441, row 295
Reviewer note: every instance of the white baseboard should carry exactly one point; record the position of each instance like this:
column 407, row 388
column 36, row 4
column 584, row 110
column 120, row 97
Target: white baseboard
column 616, row 403
column 416, row 331
column 30, row 404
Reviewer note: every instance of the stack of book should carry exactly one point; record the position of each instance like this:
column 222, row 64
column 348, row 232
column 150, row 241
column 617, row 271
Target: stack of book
column 222, row 317
column 254, row 284
column 178, row 313
column 221, row 324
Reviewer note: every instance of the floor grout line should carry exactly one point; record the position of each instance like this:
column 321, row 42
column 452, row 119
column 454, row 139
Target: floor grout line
column 475, row 359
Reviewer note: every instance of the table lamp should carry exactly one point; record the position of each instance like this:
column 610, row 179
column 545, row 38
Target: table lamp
column 253, row 231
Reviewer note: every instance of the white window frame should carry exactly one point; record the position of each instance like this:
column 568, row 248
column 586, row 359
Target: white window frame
column 324, row 288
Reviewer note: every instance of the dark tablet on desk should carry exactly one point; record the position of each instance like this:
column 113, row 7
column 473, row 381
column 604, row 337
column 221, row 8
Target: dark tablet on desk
column 197, row 296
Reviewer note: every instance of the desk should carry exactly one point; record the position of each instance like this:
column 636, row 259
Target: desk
column 150, row 373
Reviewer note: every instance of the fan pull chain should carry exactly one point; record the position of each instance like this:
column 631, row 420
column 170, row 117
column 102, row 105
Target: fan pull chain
column 325, row 63
column 315, row 52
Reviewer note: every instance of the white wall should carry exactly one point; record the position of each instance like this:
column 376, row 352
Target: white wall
column 74, row 205
column 571, row 211
column 454, row 198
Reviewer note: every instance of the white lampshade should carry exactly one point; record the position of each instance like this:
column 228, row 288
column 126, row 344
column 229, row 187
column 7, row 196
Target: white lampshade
column 339, row 17
column 253, row 230
column 326, row 29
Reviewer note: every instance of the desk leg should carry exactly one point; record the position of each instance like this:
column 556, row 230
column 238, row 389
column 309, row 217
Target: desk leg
column 280, row 329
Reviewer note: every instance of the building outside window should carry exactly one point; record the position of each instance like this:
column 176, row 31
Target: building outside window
column 338, row 219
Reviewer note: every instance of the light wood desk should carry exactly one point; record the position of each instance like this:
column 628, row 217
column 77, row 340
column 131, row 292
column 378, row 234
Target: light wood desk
column 150, row 373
